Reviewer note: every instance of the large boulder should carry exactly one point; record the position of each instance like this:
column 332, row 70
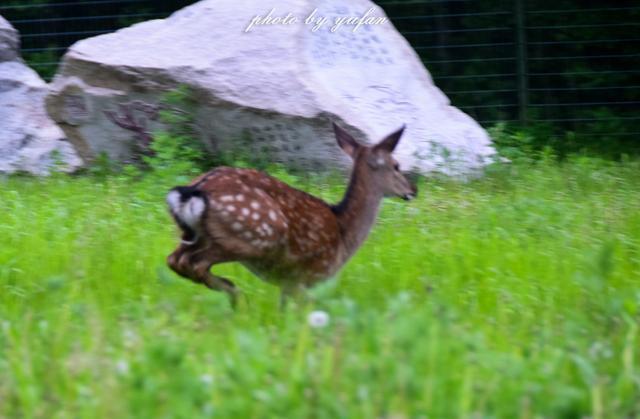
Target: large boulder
column 277, row 85
column 29, row 140
column 9, row 42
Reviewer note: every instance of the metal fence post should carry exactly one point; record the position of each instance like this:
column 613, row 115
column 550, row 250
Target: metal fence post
column 521, row 52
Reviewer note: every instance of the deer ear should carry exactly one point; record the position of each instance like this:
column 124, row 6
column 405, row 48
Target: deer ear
column 389, row 144
column 345, row 140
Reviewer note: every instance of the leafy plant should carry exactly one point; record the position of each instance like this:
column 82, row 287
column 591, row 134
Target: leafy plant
column 45, row 62
column 512, row 144
column 177, row 147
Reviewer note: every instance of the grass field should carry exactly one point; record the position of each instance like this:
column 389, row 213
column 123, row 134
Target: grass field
column 512, row 296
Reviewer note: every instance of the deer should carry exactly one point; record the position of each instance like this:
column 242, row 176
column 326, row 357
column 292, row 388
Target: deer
column 281, row 234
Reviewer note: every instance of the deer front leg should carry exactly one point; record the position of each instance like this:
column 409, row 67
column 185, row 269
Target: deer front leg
column 219, row 283
column 194, row 265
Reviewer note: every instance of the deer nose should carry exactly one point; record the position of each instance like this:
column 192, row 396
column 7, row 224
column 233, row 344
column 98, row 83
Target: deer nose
column 409, row 196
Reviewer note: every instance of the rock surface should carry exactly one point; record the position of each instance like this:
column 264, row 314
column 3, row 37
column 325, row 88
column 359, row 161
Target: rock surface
column 9, row 42
column 29, row 140
column 278, row 85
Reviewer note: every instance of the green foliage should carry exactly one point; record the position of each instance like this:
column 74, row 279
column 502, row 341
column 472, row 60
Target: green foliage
column 102, row 166
column 513, row 295
column 177, row 149
column 44, row 62
column 538, row 140
column 513, row 144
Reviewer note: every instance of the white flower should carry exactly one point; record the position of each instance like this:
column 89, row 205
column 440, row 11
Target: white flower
column 122, row 367
column 318, row 319
column 206, row 379
column 129, row 338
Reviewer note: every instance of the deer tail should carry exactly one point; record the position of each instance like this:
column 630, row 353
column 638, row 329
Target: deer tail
column 187, row 205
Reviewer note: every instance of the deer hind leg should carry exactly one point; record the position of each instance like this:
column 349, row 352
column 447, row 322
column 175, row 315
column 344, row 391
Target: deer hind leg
column 195, row 264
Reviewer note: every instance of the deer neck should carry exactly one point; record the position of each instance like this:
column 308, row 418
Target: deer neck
column 358, row 210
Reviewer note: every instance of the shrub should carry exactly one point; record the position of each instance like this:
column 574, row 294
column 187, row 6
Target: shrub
column 176, row 148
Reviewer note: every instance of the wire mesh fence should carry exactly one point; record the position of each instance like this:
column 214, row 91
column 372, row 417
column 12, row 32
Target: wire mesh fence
column 563, row 66
column 550, row 64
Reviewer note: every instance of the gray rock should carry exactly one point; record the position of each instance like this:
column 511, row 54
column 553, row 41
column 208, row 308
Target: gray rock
column 9, row 42
column 29, row 140
column 278, row 85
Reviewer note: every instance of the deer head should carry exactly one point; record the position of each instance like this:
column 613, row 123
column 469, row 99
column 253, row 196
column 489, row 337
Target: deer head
column 377, row 164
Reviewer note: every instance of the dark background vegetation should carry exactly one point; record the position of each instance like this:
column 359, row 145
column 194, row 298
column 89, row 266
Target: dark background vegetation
column 561, row 74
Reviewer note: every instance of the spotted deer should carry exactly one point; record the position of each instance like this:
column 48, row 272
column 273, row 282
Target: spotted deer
column 283, row 235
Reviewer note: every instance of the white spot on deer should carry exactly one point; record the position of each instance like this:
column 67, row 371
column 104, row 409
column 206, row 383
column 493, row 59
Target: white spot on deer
column 267, row 229
column 312, row 235
column 255, row 216
column 236, row 226
column 272, row 215
column 226, row 198
column 240, row 198
column 247, row 235
column 255, row 205
column 231, row 208
column 224, row 213
column 246, row 212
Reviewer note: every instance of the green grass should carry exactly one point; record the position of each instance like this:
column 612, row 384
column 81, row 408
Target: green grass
column 512, row 296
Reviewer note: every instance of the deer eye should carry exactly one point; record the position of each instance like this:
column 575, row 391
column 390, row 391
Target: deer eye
column 396, row 167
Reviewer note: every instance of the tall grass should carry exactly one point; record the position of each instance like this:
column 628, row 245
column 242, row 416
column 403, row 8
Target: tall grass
column 515, row 295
